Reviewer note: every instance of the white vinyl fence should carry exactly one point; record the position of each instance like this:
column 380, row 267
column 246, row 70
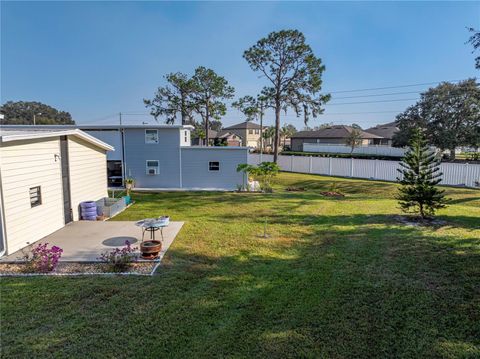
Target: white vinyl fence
column 366, row 150
column 454, row 174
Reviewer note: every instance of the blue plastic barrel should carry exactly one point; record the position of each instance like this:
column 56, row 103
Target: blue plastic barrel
column 89, row 210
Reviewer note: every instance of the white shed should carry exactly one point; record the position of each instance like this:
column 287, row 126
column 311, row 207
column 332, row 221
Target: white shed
column 44, row 175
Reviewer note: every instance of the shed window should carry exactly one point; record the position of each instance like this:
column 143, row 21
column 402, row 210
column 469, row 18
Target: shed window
column 214, row 166
column 35, row 196
column 151, row 136
column 152, row 167
column 250, row 132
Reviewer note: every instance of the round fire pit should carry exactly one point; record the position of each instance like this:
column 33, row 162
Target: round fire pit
column 150, row 249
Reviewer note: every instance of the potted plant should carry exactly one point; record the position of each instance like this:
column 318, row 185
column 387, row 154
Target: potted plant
column 129, row 183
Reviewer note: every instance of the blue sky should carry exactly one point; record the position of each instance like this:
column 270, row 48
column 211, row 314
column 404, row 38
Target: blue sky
column 95, row 59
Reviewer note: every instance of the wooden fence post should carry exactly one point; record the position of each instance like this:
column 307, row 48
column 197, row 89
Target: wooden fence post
column 329, row 166
column 375, row 169
column 291, row 163
column 351, row 166
column 310, row 165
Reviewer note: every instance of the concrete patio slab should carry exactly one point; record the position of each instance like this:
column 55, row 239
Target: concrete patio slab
column 84, row 241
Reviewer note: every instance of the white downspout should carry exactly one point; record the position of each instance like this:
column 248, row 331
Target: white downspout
column 124, row 157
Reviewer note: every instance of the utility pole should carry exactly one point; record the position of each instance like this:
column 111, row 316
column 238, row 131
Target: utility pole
column 120, row 117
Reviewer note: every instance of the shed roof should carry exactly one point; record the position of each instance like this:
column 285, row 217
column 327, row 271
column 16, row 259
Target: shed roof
column 10, row 135
column 338, row 131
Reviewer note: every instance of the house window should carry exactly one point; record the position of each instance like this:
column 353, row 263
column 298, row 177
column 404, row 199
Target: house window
column 257, row 132
column 35, row 196
column 214, row 166
column 152, row 167
column 151, row 136
column 186, row 137
column 250, row 132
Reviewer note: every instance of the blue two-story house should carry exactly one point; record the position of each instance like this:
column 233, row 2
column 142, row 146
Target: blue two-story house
column 162, row 157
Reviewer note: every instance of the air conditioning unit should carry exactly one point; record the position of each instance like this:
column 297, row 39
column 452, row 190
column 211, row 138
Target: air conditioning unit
column 152, row 171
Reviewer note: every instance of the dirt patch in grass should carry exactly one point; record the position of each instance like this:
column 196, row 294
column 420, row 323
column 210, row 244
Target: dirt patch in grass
column 295, row 189
column 417, row 221
column 76, row 267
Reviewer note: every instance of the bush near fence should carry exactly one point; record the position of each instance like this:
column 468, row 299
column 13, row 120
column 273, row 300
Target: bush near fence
column 454, row 174
column 341, row 155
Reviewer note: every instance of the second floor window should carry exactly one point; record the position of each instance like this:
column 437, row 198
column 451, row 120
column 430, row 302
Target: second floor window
column 250, row 132
column 257, row 132
column 151, row 136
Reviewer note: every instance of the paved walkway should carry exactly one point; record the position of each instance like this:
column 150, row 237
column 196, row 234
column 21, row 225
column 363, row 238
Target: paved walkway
column 84, row 241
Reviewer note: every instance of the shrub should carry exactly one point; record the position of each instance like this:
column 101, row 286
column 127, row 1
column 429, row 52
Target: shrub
column 473, row 156
column 264, row 173
column 420, row 175
column 119, row 260
column 42, row 259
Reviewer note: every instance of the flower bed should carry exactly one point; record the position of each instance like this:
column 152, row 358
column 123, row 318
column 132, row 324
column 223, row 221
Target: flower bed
column 142, row 268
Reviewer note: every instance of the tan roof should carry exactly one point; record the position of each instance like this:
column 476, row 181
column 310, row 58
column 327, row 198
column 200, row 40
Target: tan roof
column 338, row 131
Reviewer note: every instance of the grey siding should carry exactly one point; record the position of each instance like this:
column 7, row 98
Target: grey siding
column 195, row 172
column 166, row 151
column 113, row 138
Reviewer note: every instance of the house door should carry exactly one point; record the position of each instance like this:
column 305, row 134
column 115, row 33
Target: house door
column 67, row 202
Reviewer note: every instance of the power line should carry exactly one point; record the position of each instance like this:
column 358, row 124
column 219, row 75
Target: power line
column 360, row 102
column 377, row 95
column 360, row 113
column 393, row 87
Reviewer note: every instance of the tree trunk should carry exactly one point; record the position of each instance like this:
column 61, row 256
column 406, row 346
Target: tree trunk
column 207, row 115
column 277, row 130
column 452, row 154
column 422, row 212
column 261, row 135
column 183, row 114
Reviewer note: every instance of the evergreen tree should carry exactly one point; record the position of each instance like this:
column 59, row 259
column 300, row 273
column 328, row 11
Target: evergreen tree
column 421, row 175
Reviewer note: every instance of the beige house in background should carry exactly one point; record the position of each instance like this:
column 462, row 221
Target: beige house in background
column 248, row 131
column 44, row 176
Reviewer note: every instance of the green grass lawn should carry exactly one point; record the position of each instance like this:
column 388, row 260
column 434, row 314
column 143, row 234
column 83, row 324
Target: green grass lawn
column 339, row 278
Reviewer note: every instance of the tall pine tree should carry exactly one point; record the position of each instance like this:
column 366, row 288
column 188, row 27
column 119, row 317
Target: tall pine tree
column 420, row 176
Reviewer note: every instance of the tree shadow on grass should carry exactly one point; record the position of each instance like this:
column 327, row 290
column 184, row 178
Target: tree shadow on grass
column 348, row 286
column 373, row 295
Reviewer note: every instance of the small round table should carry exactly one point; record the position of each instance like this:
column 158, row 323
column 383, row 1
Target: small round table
column 152, row 225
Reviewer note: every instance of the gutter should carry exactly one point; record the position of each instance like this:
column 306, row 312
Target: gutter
column 124, row 157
